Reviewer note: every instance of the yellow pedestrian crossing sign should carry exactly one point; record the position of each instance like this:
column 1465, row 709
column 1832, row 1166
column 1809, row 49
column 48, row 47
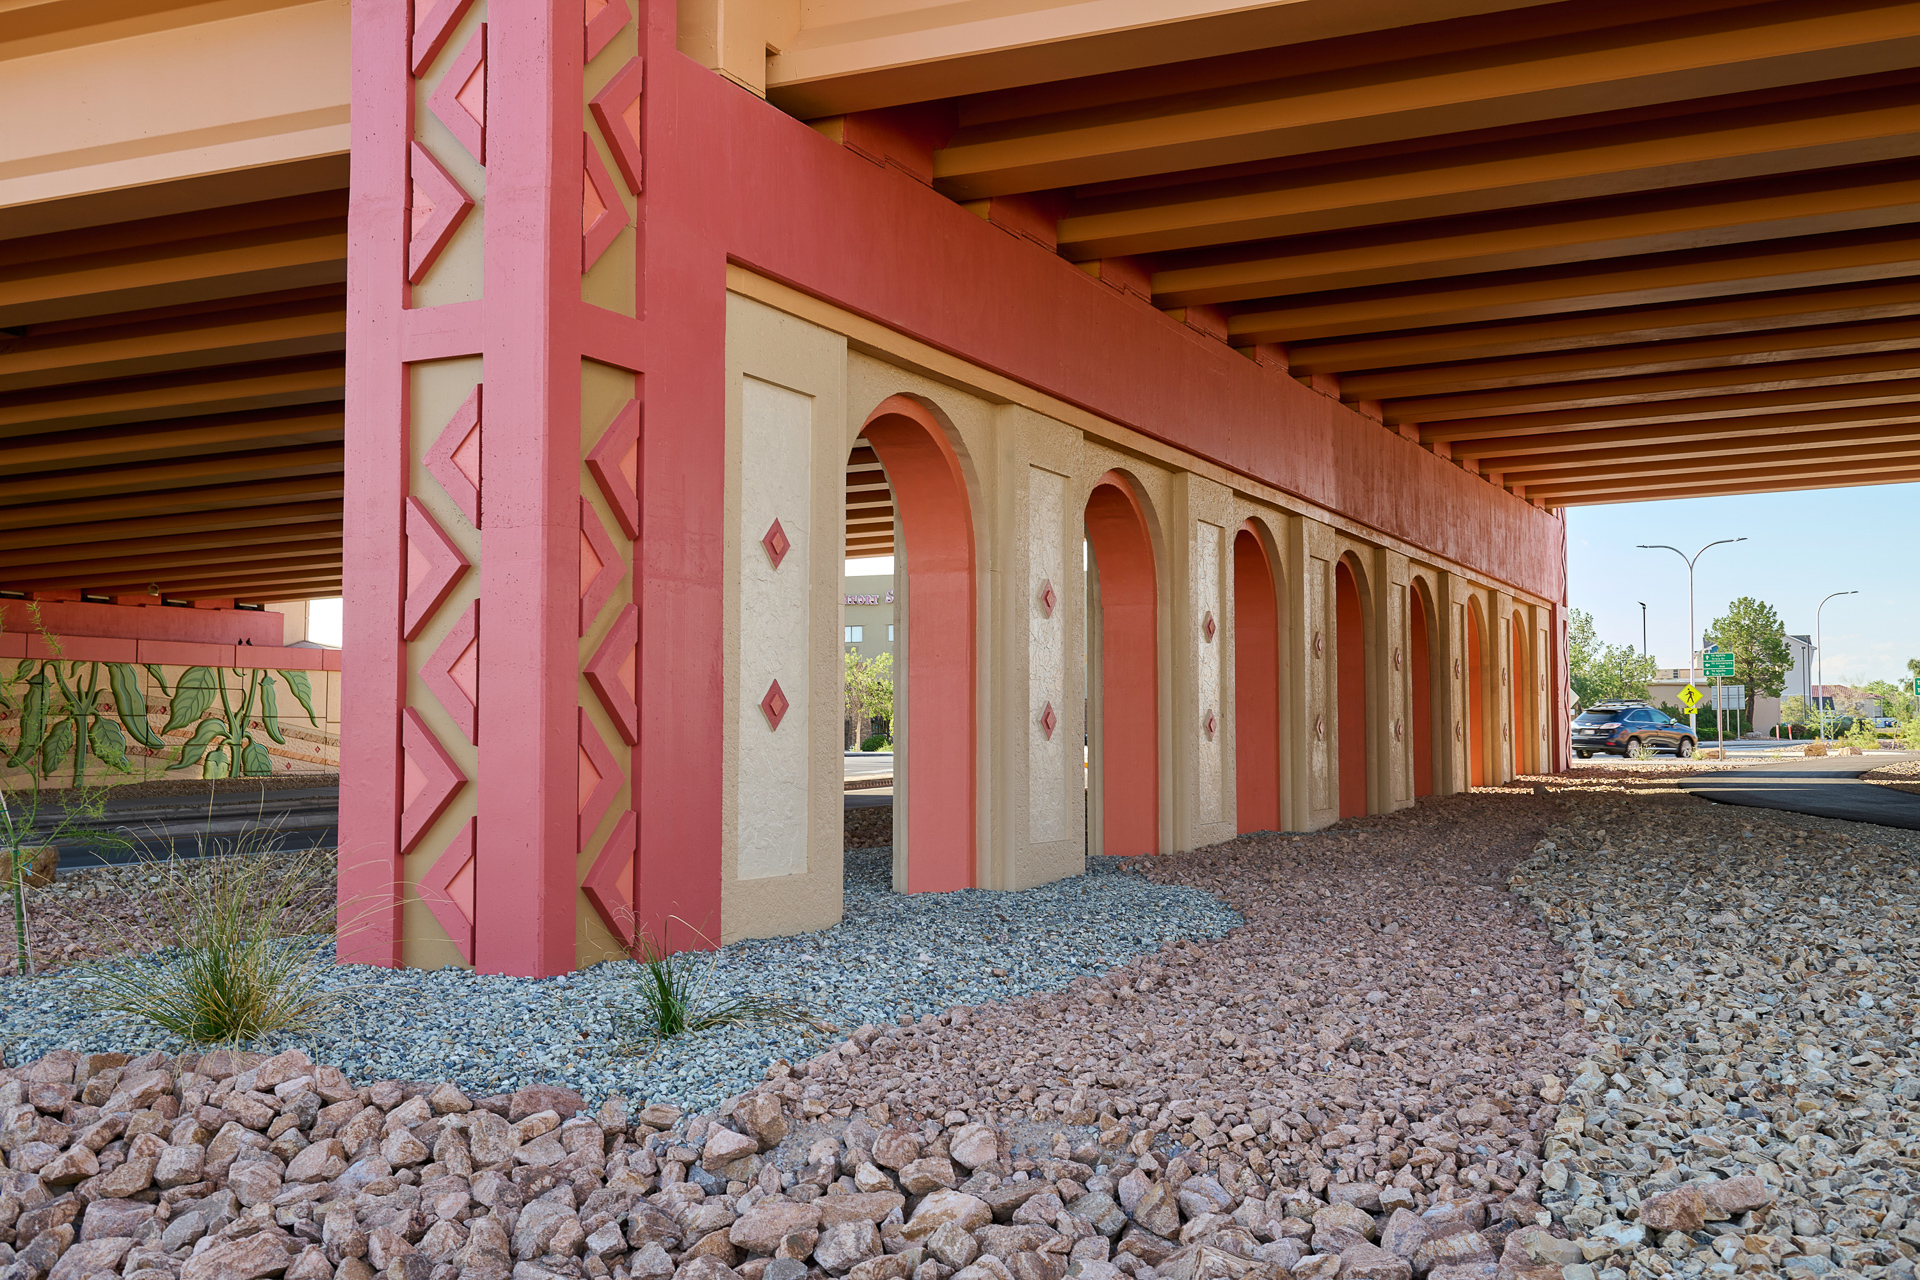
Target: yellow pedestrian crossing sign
column 1691, row 697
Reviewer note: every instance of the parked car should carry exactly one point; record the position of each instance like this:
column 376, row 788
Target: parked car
column 1619, row 728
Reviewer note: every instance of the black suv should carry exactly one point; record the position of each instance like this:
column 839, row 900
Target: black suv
column 1616, row 728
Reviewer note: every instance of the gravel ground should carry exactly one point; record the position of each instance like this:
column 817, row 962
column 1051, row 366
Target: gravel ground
column 870, row 827
column 893, row 956
column 1749, row 979
column 1902, row 775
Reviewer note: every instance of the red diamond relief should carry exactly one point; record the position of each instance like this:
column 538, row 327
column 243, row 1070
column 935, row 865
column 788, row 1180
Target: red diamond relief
column 460, row 101
column 429, row 779
column 453, row 673
column 433, row 22
column 1048, row 721
column 1048, row 597
column 1210, row 724
column 616, row 109
column 601, row 566
column 599, row 778
column 436, row 207
column 447, row 890
column 774, row 705
column 434, row 565
column 775, row 541
column 604, row 18
column 602, row 216
column 611, row 673
column 610, row 885
column 1208, row 627
column 454, row 458
column 614, row 462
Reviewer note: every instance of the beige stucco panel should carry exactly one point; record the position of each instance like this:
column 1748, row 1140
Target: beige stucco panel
column 779, row 875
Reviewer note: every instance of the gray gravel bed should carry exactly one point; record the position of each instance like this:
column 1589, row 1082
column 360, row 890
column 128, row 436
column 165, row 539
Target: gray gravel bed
column 892, row 956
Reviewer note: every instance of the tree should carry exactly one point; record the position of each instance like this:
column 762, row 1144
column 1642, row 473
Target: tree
column 1754, row 634
column 869, row 690
column 1795, row 711
column 1601, row 672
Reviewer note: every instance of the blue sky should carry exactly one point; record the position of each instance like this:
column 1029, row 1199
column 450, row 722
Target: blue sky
column 1799, row 547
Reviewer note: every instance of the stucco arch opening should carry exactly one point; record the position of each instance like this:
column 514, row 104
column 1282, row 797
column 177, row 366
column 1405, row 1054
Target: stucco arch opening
column 1259, row 756
column 1477, row 746
column 935, row 563
column 1422, row 620
column 1124, row 697
column 1352, row 631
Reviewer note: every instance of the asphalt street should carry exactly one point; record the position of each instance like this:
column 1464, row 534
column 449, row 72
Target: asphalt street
column 1826, row 788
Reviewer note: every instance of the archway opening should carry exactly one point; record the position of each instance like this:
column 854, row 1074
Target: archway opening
column 1522, row 738
column 1420, row 656
column 1476, row 743
column 1124, row 729
column 1350, row 697
column 934, row 720
column 1256, row 686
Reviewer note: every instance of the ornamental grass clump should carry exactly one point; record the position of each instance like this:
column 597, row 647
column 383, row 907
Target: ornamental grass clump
column 673, row 999
column 251, row 924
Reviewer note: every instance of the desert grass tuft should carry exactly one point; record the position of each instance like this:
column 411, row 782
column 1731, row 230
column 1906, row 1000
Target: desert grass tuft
column 673, row 1001
column 251, row 924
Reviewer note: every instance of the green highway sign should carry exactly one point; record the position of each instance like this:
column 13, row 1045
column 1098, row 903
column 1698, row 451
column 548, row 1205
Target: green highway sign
column 1719, row 665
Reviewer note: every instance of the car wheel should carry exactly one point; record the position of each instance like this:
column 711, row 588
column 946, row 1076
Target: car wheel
column 1685, row 749
column 1584, row 755
column 1633, row 748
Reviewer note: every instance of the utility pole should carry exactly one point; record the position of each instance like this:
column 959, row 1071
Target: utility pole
column 1821, row 651
column 1643, row 628
column 1694, row 637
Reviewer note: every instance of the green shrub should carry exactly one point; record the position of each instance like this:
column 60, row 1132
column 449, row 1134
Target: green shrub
column 673, row 1000
column 878, row 742
column 249, row 923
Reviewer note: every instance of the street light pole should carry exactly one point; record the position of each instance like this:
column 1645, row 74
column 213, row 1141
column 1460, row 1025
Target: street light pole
column 1693, row 665
column 1643, row 628
column 1821, row 698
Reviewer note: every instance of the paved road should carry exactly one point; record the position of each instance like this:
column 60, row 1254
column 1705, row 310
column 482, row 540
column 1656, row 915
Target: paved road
column 1825, row 788
column 868, row 764
column 302, row 817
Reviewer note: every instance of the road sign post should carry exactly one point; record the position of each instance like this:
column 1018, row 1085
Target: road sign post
column 1719, row 665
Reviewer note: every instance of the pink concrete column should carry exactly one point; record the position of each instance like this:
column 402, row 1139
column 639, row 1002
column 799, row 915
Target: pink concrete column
column 504, row 697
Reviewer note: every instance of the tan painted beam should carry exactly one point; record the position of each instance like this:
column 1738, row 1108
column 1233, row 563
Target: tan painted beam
column 1583, row 161
column 1558, row 492
column 85, row 569
column 240, row 522
column 143, row 477
column 1704, row 407
column 1492, row 451
column 1859, row 370
column 228, row 389
column 1848, row 446
column 180, row 438
column 1635, row 282
column 1693, row 218
column 1754, row 350
column 1849, row 304
column 163, row 345
column 249, row 542
column 171, row 502
column 1709, row 489
column 1666, row 60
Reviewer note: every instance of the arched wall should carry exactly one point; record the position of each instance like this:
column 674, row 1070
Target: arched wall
column 1120, row 542
column 1256, row 674
column 1350, row 674
column 1421, row 652
column 935, row 523
column 1523, row 753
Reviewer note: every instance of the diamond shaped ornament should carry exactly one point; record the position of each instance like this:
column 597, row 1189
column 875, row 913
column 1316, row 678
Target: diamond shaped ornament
column 1208, row 626
column 1210, row 724
column 774, row 705
column 1048, row 597
column 1048, row 721
column 776, row 543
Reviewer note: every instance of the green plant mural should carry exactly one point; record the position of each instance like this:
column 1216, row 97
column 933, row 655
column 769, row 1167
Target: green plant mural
column 74, row 712
column 222, row 742
column 68, row 715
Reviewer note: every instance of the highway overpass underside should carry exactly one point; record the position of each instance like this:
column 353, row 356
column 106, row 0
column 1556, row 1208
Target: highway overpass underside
column 1309, row 320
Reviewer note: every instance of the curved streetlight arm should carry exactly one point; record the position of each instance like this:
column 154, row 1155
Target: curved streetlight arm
column 1692, row 665
column 1819, row 699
